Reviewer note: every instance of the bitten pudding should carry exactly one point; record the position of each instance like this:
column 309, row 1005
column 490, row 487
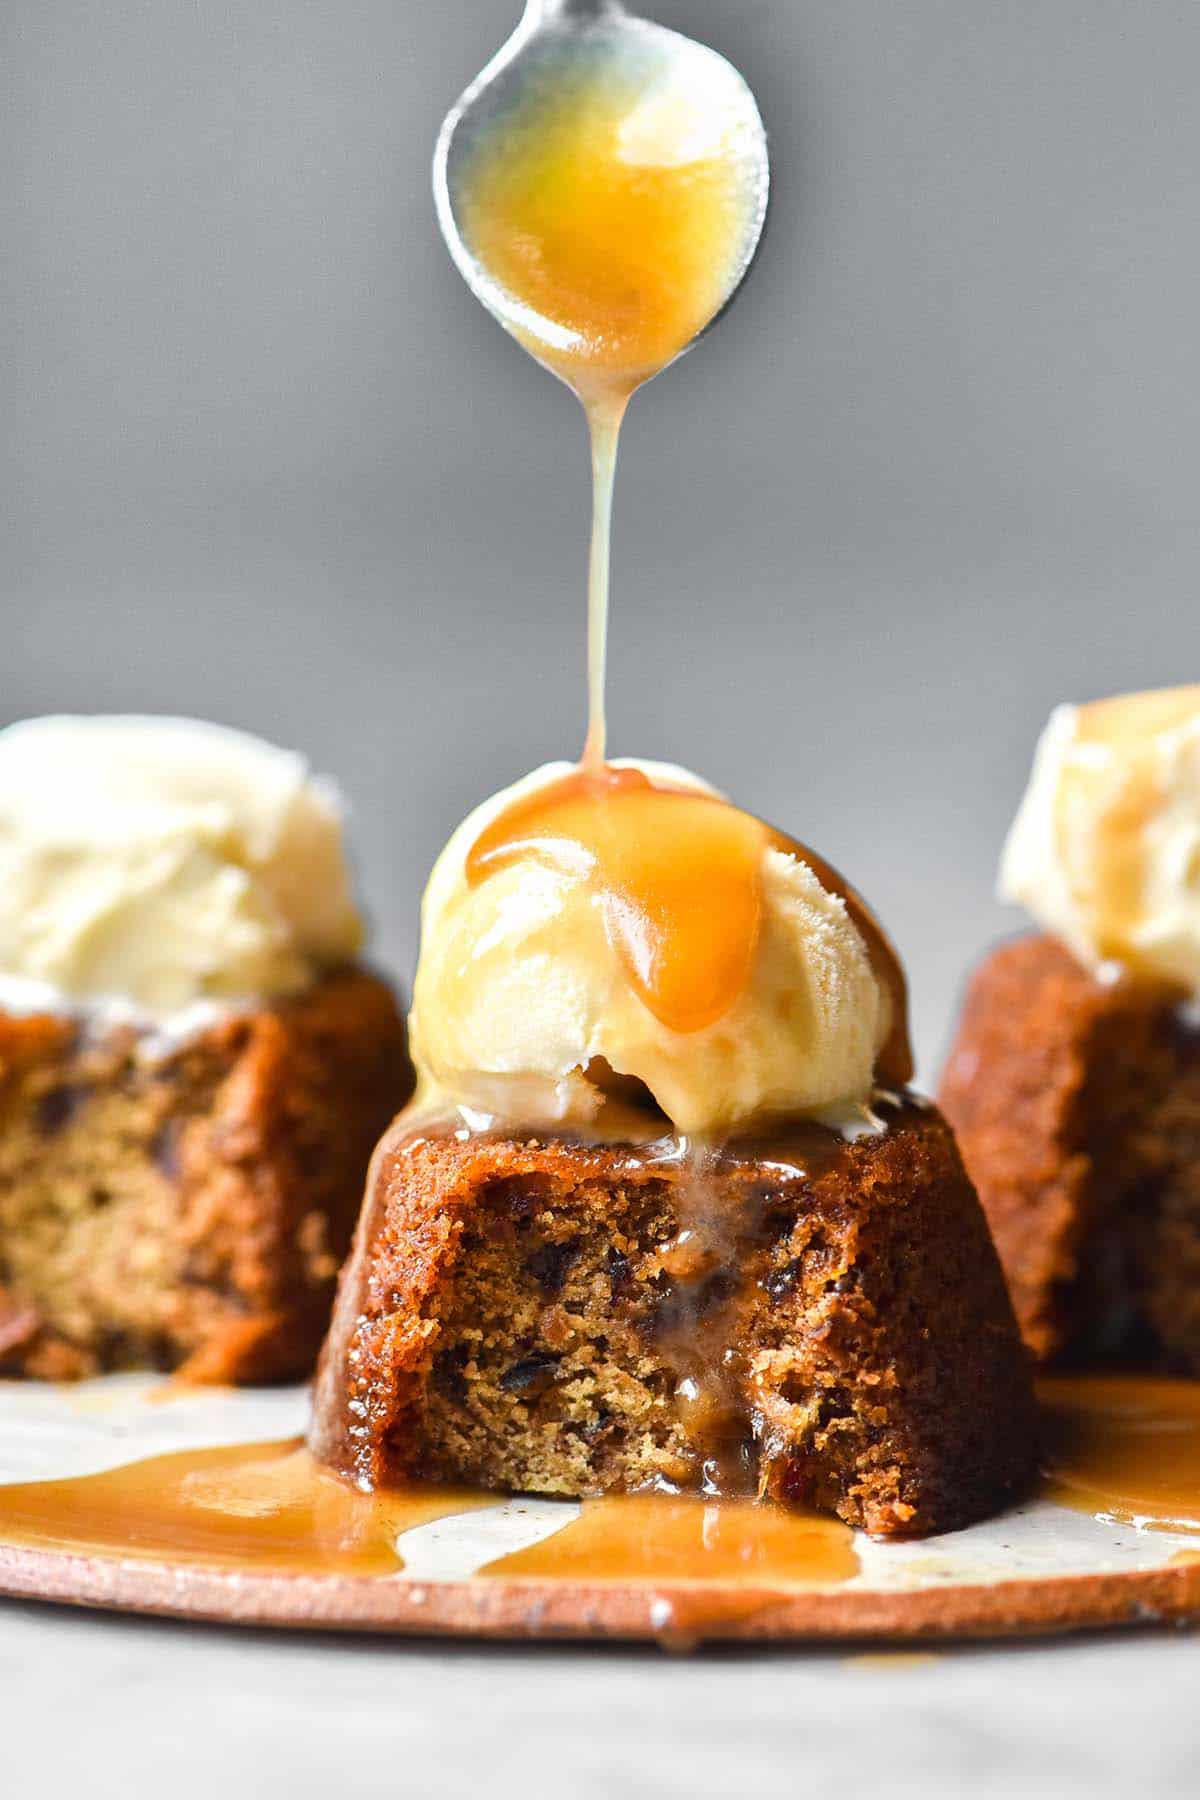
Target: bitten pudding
column 194, row 1066
column 663, row 1213
column 1074, row 1082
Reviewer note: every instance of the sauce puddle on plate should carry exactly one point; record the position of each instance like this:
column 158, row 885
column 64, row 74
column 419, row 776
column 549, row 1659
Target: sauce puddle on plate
column 661, row 1539
column 1125, row 1448
column 1122, row 1448
column 271, row 1509
column 264, row 1509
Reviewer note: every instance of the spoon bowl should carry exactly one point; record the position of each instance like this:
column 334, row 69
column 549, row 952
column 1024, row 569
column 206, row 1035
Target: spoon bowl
column 668, row 116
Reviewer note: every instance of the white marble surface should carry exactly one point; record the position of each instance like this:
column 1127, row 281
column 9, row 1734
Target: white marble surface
column 119, row 1709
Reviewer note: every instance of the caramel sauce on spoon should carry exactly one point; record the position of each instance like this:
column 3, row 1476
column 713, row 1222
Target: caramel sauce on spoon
column 609, row 196
column 612, row 213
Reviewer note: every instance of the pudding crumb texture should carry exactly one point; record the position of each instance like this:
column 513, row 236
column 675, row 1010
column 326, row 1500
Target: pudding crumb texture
column 513, row 1313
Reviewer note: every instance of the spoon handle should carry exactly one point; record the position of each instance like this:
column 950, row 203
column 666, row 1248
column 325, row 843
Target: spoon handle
column 547, row 12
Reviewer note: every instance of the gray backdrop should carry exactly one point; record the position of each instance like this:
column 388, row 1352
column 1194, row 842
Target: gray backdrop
column 265, row 459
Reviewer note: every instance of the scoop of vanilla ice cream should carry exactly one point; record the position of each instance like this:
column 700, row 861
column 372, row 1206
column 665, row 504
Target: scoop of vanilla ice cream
column 1105, row 848
column 159, row 862
column 518, row 989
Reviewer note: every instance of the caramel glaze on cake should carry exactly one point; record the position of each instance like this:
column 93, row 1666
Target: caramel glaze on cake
column 526, row 1313
column 1077, row 1106
column 192, row 1208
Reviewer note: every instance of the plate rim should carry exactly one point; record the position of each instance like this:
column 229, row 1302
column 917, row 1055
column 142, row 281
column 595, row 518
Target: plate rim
column 530, row 1608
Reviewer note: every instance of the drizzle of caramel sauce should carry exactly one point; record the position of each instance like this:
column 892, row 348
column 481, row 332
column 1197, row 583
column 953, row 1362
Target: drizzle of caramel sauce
column 611, row 214
column 677, row 873
column 265, row 1509
column 679, row 876
column 716, row 1267
column 1124, row 1448
column 662, row 1539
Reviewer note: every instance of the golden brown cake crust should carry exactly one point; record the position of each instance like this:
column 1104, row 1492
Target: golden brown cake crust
column 189, row 1209
column 1077, row 1107
column 506, row 1316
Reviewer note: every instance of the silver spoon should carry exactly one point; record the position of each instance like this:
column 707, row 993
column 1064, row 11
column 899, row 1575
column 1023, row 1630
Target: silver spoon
column 561, row 40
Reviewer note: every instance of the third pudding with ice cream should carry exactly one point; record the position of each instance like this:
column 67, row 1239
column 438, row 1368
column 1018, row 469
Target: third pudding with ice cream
column 1075, row 1078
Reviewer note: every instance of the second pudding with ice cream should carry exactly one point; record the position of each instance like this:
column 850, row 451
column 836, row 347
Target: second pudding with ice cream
column 194, row 1065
